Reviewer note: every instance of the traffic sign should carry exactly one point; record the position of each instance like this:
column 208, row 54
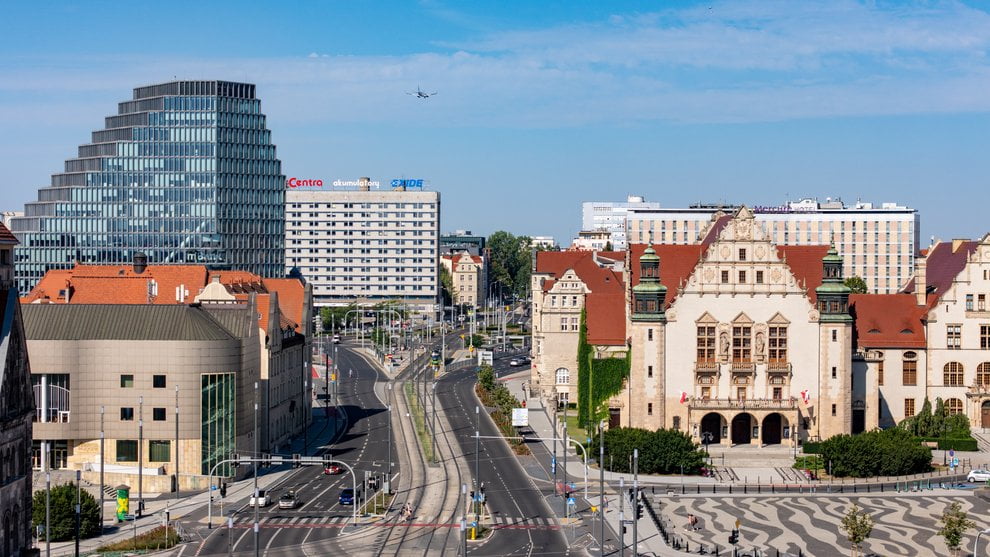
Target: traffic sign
column 571, row 502
column 553, row 464
column 952, row 452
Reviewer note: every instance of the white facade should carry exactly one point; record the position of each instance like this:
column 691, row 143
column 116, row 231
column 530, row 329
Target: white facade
column 878, row 244
column 365, row 246
column 610, row 216
column 543, row 242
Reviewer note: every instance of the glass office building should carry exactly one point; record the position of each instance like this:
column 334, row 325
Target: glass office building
column 185, row 172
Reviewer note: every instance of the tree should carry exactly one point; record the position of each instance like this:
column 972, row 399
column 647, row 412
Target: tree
column 510, row 262
column 663, row 451
column 446, row 286
column 333, row 317
column 63, row 513
column 888, row 452
column 856, row 285
column 858, row 525
column 608, row 246
column 955, row 523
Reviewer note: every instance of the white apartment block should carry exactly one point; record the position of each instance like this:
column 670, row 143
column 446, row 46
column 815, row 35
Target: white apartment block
column 365, row 246
column 877, row 244
column 610, row 216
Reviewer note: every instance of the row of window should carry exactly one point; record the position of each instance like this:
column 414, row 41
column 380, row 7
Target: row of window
column 127, row 414
column 742, row 347
column 158, row 450
column 953, row 373
column 157, row 381
column 952, row 406
column 325, row 206
column 981, row 301
column 953, row 334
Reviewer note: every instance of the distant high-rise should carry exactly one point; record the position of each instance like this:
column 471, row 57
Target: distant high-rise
column 185, row 172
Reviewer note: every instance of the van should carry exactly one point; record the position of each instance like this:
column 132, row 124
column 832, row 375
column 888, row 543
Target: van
column 336, row 339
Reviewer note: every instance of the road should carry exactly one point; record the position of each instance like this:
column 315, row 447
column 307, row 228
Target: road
column 319, row 518
column 527, row 526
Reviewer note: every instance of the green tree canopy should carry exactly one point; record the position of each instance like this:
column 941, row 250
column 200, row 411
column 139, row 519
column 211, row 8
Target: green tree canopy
column 446, row 286
column 663, row 451
column 510, row 262
column 63, row 513
column 955, row 524
column 858, row 525
column 856, row 284
column 889, row 452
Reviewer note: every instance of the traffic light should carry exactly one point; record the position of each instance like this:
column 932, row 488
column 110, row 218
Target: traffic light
column 734, row 537
column 236, row 459
column 639, row 510
column 223, row 489
column 266, row 460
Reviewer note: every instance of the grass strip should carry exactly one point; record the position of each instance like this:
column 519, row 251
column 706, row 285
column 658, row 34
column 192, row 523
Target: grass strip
column 419, row 422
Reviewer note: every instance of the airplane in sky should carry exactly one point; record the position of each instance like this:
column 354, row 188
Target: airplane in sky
column 420, row 94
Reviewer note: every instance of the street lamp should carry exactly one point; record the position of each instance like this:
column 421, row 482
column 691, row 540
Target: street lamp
column 140, row 508
column 976, row 544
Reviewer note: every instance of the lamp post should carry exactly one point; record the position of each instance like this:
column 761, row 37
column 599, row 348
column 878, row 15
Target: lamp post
column 477, row 448
column 635, row 539
column 78, row 507
column 388, row 408
column 601, row 482
column 434, row 428
column 140, row 508
column 976, row 544
column 48, row 505
column 257, row 549
column 102, row 442
column 176, row 441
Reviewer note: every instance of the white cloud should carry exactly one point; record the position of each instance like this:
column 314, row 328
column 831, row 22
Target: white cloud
column 735, row 62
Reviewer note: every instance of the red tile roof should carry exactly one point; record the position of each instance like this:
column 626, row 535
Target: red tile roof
column 6, row 236
column 941, row 268
column 677, row 262
column 605, row 305
column 887, row 321
column 606, row 319
column 805, row 263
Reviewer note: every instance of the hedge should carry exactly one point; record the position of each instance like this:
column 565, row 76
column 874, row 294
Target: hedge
column 960, row 444
column 812, row 447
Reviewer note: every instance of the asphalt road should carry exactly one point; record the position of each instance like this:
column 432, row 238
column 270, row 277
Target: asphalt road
column 511, row 494
column 319, row 517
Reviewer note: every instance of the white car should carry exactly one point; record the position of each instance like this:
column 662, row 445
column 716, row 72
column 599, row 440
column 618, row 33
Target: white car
column 978, row 476
column 288, row 501
column 262, row 499
column 520, row 361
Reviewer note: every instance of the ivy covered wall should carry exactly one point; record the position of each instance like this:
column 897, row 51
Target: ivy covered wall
column 604, row 378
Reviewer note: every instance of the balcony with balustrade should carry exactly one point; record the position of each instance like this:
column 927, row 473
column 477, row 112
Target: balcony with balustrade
column 744, row 404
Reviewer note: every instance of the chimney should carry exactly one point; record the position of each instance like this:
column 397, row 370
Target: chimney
column 140, row 262
column 921, row 281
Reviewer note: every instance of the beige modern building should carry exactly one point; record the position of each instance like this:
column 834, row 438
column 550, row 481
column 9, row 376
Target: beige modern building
column 269, row 318
column 877, row 243
column 16, row 413
column 365, row 246
column 469, row 277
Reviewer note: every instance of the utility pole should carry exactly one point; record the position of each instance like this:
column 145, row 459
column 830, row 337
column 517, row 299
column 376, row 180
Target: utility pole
column 102, row 493
column 564, row 469
column 635, row 502
column 48, row 503
column 477, row 450
column 622, row 522
column 464, row 519
column 257, row 549
column 601, row 482
column 78, row 507
column 388, row 408
column 140, row 508
column 434, row 404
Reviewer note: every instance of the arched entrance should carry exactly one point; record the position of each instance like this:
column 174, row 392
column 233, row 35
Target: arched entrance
column 772, row 426
column 712, row 423
column 742, row 432
column 985, row 414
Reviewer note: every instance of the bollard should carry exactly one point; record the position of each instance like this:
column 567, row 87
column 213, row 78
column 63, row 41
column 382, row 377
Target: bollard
column 713, row 489
column 772, row 489
column 758, row 489
column 682, row 489
column 730, row 489
column 699, row 489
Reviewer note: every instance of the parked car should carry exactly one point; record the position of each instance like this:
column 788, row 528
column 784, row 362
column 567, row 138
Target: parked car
column 288, row 501
column 519, row 361
column 346, row 497
column 978, row 476
column 262, row 499
column 336, row 339
column 332, row 470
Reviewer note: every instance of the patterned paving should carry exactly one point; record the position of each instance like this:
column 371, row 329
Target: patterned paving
column 904, row 524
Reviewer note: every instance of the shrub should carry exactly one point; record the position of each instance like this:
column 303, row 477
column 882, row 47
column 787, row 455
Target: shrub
column 663, row 451
column 890, row 452
column 808, row 462
column 63, row 513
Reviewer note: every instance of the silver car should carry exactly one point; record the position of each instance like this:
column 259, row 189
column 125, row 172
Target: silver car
column 978, row 476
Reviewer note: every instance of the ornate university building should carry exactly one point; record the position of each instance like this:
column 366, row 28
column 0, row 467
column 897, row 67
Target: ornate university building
column 736, row 340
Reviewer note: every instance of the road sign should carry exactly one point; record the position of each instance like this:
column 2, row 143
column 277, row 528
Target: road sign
column 553, row 464
column 952, row 452
column 571, row 502
column 955, row 462
column 520, row 417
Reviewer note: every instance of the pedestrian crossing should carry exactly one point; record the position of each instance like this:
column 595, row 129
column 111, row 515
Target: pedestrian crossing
column 297, row 520
column 341, row 520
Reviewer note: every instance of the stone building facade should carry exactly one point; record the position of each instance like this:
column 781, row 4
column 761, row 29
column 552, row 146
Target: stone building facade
column 469, row 277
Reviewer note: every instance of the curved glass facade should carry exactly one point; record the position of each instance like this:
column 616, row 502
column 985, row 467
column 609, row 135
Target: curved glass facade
column 185, row 172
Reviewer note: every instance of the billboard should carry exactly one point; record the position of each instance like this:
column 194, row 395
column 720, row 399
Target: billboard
column 520, row 417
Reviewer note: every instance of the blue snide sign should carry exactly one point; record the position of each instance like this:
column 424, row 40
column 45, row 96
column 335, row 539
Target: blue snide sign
column 408, row 183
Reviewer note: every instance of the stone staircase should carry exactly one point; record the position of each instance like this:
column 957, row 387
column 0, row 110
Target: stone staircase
column 982, row 440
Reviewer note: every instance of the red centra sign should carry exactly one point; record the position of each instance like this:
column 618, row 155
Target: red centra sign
column 299, row 183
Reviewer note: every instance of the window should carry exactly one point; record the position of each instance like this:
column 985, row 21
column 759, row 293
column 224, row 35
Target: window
column 983, row 374
column 706, row 393
column 981, row 302
column 759, row 277
column 741, row 393
column 158, row 381
column 741, row 349
column 725, row 277
column 127, row 414
column 649, row 371
column 649, row 408
column 777, row 345
column 952, row 374
column 563, row 376
column 563, row 323
column 649, row 334
column 126, row 381
column 127, row 450
column 677, row 423
column 969, row 302
column 880, row 373
column 835, row 335
column 706, row 343
column 909, row 374
column 985, row 337
column 953, row 337
column 908, row 407
column 833, row 409
column 833, row 372
column 742, row 254
column 953, row 406
column 574, row 323
column 159, row 451
column 158, row 414
column 778, row 393
column 742, row 277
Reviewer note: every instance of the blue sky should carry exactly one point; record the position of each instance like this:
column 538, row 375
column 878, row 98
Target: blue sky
column 544, row 105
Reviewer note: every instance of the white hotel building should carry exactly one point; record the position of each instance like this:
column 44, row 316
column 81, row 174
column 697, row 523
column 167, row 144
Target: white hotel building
column 877, row 244
column 365, row 246
column 610, row 216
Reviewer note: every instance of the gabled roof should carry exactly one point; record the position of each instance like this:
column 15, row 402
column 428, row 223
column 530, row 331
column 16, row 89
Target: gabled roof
column 605, row 305
column 887, row 321
column 942, row 266
column 6, row 236
column 677, row 262
column 606, row 318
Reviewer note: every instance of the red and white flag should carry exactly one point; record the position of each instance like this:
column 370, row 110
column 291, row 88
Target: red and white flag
column 805, row 395
column 684, row 397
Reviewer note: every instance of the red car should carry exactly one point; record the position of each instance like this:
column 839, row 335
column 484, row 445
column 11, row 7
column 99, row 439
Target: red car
column 333, row 469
